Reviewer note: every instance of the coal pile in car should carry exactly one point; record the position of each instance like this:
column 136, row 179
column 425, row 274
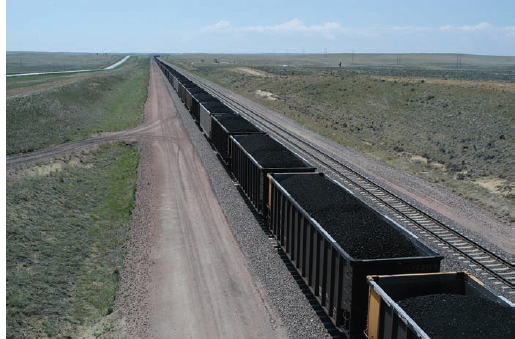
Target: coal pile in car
column 353, row 225
column 270, row 153
column 459, row 316
column 236, row 123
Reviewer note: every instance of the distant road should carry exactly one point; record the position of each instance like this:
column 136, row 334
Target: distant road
column 113, row 66
column 118, row 63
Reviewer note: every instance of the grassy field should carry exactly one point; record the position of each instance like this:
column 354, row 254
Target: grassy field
column 452, row 126
column 67, row 225
column 67, row 221
column 24, row 85
column 32, row 62
column 453, row 64
column 53, row 109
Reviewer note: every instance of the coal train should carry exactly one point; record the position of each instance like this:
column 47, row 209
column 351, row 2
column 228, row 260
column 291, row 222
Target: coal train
column 348, row 254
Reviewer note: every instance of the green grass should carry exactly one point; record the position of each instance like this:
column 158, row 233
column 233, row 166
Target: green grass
column 462, row 127
column 66, row 234
column 33, row 62
column 106, row 102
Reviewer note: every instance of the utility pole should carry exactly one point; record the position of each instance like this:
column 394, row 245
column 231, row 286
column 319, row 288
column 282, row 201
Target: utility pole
column 325, row 52
column 353, row 56
column 399, row 59
column 21, row 66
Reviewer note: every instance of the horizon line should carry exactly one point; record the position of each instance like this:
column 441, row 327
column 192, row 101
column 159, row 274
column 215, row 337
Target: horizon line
column 264, row 53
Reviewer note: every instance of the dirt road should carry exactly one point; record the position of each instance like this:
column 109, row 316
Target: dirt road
column 200, row 285
column 197, row 283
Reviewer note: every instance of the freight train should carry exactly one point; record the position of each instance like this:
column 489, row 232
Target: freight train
column 341, row 246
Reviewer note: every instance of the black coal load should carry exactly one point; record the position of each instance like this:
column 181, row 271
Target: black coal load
column 236, row 123
column 216, row 107
column 459, row 316
column 204, row 96
column 353, row 225
column 269, row 153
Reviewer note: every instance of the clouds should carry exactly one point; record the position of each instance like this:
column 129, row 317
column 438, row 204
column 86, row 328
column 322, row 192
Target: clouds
column 331, row 30
column 510, row 31
column 328, row 30
column 220, row 27
column 297, row 35
column 483, row 26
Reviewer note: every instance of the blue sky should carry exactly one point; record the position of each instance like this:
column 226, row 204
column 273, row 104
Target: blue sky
column 266, row 26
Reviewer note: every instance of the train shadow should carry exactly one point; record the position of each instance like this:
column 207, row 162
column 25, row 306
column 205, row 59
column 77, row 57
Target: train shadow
column 328, row 324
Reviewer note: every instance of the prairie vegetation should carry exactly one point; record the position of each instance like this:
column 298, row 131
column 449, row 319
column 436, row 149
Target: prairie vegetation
column 67, row 220
column 33, row 62
column 71, row 108
column 25, row 85
column 450, row 125
column 66, row 232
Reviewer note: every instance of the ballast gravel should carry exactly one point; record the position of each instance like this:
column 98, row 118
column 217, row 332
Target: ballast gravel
column 289, row 306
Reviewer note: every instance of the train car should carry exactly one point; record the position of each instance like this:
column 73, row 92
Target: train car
column 335, row 240
column 190, row 93
column 176, row 78
column 223, row 126
column 209, row 108
column 437, row 305
column 189, row 87
column 253, row 156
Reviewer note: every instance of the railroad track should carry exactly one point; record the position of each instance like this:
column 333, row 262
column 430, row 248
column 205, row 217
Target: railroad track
column 490, row 267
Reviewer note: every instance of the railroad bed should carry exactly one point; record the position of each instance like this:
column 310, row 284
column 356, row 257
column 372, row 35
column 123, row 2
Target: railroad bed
column 320, row 254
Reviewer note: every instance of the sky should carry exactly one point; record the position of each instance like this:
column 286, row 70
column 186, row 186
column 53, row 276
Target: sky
column 485, row 27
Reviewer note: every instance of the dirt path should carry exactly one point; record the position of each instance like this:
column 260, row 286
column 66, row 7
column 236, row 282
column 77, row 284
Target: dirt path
column 197, row 284
column 200, row 285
